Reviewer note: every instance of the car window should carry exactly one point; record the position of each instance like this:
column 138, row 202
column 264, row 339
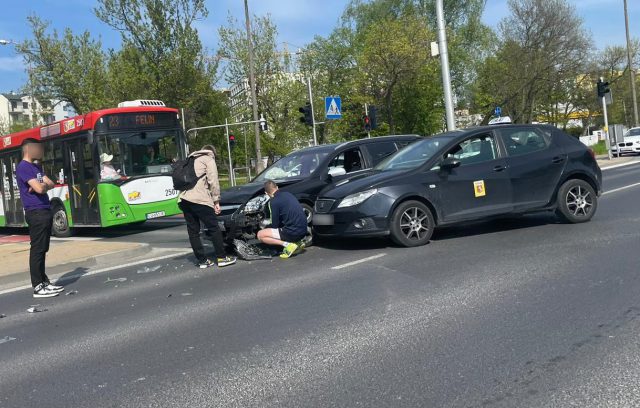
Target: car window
column 350, row 160
column 297, row 164
column 380, row 150
column 476, row 149
column 634, row 132
column 523, row 141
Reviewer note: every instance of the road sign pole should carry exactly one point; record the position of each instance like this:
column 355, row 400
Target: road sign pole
column 226, row 130
column 313, row 116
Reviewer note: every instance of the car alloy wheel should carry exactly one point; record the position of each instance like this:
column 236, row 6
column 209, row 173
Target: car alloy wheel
column 412, row 224
column 579, row 201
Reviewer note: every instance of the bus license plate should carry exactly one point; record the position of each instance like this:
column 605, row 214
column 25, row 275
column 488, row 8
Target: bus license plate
column 156, row 214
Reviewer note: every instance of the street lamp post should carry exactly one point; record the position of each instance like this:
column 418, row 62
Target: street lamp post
column 632, row 76
column 444, row 61
column 252, row 85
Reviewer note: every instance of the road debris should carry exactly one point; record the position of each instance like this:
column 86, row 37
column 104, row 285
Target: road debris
column 2, row 316
column 186, row 294
column 6, row 339
column 36, row 309
column 115, row 280
column 71, row 292
column 147, row 269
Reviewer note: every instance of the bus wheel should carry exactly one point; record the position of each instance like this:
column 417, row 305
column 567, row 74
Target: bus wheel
column 60, row 222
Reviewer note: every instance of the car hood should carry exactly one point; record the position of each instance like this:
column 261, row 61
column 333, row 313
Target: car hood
column 359, row 183
column 242, row 194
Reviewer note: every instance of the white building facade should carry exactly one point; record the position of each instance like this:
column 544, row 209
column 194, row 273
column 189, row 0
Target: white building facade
column 24, row 109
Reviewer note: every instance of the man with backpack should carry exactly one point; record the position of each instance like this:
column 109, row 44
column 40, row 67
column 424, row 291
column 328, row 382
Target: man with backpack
column 197, row 179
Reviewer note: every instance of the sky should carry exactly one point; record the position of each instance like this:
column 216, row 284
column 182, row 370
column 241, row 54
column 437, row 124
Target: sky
column 298, row 21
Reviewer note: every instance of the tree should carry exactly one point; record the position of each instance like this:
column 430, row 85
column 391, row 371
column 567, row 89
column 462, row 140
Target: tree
column 551, row 47
column 70, row 67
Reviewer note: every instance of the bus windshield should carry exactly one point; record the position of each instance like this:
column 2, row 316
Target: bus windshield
column 138, row 153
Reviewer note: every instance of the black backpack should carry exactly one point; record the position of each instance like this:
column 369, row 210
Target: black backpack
column 184, row 173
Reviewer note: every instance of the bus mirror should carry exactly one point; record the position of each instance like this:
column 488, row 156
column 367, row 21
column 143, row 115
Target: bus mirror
column 90, row 137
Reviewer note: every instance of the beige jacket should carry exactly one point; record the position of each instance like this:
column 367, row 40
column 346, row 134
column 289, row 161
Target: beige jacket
column 207, row 190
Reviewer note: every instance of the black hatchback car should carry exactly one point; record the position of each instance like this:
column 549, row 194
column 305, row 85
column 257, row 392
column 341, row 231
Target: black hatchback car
column 304, row 173
column 460, row 176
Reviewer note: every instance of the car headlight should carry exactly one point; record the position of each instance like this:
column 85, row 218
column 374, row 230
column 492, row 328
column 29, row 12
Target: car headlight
column 357, row 198
column 255, row 204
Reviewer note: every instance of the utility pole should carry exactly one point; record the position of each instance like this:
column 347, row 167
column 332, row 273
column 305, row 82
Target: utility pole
column 313, row 116
column 366, row 113
column 444, row 61
column 252, row 85
column 632, row 76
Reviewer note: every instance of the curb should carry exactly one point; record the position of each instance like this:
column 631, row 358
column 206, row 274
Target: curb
column 75, row 268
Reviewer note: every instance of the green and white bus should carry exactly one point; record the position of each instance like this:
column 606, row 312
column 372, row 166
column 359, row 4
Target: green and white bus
column 143, row 136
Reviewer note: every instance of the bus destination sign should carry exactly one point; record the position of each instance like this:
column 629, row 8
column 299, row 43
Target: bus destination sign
column 140, row 120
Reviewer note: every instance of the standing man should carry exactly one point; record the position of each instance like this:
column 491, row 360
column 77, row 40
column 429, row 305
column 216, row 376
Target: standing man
column 288, row 222
column 201, row 204
column 33, row 185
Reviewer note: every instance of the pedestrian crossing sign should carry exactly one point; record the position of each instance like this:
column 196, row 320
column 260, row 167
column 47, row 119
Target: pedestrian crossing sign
column 333, row 107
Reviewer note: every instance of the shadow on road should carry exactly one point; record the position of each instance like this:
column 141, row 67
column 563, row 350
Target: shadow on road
column 495, row 225
column 444, row 233
column 72, row 276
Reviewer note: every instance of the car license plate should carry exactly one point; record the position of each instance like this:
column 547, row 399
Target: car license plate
column 323, row 219
column 156, row 214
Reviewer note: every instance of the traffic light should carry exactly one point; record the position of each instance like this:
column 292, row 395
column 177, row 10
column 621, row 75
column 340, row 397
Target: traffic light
column 307, row 119
column 232, row 140
column 603, row 88
column 367, row 123
column 373, row 117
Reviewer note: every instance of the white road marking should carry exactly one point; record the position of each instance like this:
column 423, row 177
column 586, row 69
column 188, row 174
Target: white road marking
column 108, row 269
column 359, row 261
column 621, row 188
column 615, row 166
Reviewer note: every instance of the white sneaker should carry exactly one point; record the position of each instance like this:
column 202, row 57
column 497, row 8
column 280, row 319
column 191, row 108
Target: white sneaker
column 42, row 291
column 55, row 288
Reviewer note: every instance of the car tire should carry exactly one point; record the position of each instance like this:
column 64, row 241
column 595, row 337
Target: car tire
column 61, row 227
column 577, row 201
column 308, row 212
column 412, row 224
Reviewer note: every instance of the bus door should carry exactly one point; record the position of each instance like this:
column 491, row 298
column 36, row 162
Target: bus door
column 14, row 214
column 83, row 191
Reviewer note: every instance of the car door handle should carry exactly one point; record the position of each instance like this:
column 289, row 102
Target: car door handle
column 557, row 159
column 499, row 168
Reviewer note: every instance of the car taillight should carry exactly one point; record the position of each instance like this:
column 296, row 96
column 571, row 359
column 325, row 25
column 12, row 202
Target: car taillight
column 592, row 152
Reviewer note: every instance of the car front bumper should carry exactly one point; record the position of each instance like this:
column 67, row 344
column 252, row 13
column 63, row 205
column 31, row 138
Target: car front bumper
column 368, row 219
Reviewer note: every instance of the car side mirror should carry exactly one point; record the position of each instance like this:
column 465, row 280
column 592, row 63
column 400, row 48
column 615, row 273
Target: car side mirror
column 449, row 163
column 336, row 172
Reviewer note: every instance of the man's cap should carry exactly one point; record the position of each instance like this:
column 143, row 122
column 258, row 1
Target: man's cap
column 30, row 140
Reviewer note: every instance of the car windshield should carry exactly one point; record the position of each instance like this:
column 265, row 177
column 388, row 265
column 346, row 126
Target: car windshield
column 297, row 164
column 634, row 132
column 414, row 155
column 138, row 153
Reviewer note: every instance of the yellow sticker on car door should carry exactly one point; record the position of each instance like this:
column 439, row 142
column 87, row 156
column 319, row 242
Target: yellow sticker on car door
column 478, row 188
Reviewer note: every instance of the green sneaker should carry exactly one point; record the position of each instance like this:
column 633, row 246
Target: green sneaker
column 289, row 250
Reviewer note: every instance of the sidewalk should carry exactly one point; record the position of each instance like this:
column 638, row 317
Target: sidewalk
column 64, row 257
column 604, row 162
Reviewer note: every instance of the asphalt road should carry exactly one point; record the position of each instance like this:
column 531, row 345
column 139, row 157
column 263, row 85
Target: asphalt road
column 511, row 313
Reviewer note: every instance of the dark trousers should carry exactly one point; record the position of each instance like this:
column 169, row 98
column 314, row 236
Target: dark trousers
column 40, row 223
column 193, row 215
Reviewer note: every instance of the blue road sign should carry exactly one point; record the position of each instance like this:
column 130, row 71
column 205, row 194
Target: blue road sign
column 333, row 107
column 498, row 111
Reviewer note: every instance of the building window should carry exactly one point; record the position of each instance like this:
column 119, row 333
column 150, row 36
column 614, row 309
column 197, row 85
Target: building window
column 25, row 105
column 14, row 104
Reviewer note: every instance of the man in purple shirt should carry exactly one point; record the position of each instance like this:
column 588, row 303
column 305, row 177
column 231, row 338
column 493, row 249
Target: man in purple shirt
column 33, row 185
